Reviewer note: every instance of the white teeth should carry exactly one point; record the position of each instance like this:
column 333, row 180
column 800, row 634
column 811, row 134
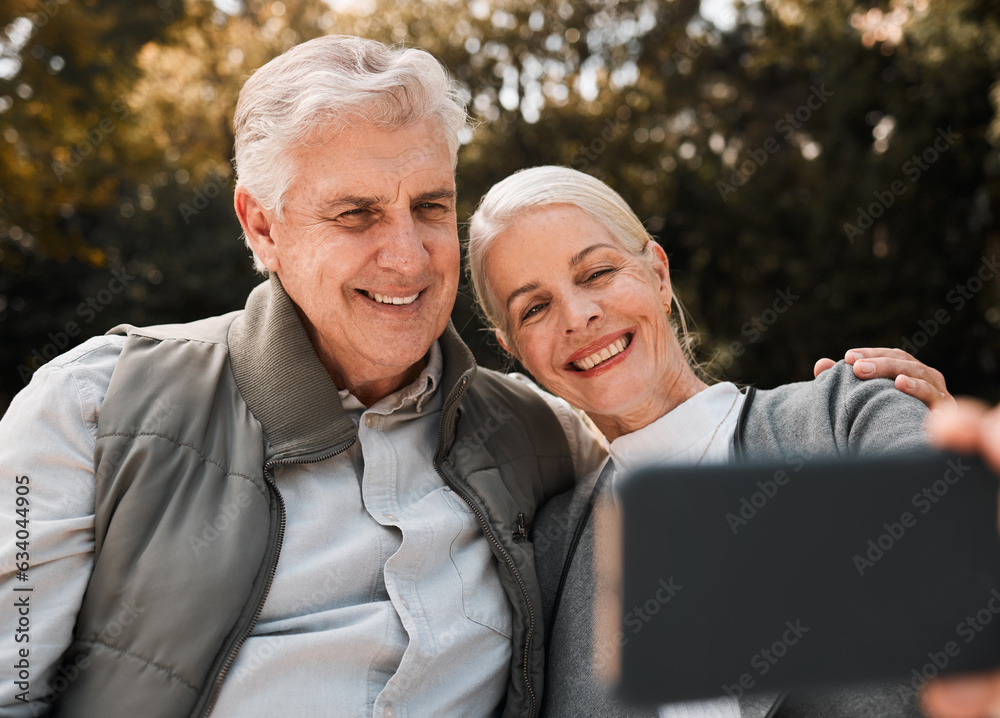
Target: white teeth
column 616, row 347
column 386, row 299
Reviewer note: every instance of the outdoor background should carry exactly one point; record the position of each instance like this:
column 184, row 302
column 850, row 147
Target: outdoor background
column 780, row 150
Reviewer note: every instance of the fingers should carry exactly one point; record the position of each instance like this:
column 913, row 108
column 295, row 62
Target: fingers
column 891, row 367
column 873, row 352
column 925, row 391
column 959, row 429
column 973, row 696
column 822, row 365
column 882, row 362
column 968, row 427
column 928, row 384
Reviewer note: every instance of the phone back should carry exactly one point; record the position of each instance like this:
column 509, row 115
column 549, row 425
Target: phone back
column 801, row 575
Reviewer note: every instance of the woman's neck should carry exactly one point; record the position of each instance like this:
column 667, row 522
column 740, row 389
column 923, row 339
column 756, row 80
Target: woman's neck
column 674, row 391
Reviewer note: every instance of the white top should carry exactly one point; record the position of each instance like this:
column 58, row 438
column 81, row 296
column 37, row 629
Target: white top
column 698, row 431
column 702, row 426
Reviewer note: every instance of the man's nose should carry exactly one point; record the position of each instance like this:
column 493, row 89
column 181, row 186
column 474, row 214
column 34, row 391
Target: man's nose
column 403, row 248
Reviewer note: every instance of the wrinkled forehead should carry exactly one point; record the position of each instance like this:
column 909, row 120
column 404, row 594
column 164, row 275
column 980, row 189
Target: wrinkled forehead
column 380, row 162
column 553, row 233
column 544, row 243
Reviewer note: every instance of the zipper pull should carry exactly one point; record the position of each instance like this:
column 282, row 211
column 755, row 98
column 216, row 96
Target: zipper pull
column 519, row 530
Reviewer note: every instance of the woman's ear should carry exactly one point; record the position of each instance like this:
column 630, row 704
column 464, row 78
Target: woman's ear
column 258, row 224
column 509, row 348
column 661, row 266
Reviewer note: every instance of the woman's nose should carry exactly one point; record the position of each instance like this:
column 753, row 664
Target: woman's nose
column 580, row 314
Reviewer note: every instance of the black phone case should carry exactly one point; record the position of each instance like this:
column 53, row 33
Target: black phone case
column 800, row 575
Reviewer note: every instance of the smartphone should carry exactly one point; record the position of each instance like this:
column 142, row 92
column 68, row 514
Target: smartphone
column 805, row 574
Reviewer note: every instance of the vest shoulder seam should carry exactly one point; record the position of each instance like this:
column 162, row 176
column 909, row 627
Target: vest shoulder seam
column 142, row 659
column 192, row 447
column 210, row 342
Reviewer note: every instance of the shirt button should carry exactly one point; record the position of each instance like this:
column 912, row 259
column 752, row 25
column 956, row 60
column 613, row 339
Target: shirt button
column 389, row 517
column 369, row 420
column 389, row 712
column 406, row 606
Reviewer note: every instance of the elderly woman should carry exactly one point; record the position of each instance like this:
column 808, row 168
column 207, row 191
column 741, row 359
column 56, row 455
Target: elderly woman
column 579, row 293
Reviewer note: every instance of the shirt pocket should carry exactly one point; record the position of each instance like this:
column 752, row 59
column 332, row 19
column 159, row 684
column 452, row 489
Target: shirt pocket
column 483, row 598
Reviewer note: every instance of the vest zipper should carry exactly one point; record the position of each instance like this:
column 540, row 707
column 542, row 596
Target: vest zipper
column 519, row 530
column 489, row 534
column 269, row 478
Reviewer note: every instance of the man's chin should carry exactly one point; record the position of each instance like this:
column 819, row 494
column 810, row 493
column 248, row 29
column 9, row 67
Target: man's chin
column 389, row 365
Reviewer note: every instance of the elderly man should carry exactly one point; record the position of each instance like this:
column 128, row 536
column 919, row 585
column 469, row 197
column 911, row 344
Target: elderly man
column 314, row 506
column 165, row 470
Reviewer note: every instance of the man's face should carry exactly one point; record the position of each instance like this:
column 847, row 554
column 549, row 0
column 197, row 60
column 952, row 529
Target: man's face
column 368, row 250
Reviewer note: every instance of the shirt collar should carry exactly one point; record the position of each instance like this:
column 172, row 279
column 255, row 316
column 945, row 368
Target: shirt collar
column 291, row 394
column 677, row 431
column 420, row 390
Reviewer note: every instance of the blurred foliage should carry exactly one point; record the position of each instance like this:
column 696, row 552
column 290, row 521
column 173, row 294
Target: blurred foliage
column 746, row 146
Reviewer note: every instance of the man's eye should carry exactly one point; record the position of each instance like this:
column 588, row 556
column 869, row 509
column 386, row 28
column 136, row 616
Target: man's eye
column 357, row 218
column 432, row 209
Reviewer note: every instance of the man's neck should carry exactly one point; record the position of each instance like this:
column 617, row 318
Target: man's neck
column 370, row 392
column 368, row 387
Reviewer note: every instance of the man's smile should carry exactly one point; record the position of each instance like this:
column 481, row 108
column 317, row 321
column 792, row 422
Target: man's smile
column 390, row 298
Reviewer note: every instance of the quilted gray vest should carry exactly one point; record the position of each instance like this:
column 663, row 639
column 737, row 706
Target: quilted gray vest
column 189, row 522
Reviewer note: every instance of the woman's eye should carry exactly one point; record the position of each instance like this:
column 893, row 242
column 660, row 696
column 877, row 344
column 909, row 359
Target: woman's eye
column 532, row 310
column 599, row 273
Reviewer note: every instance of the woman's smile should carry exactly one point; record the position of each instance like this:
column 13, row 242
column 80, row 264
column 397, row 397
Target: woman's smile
column 597, row 355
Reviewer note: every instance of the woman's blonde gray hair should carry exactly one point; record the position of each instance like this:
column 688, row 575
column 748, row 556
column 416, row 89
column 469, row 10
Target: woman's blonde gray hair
column 537, row 187
column 314, row 90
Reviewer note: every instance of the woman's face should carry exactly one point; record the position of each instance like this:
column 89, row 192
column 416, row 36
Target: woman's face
column 586, row 317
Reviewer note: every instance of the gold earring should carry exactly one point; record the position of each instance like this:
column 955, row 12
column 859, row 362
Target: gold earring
column 669, row 309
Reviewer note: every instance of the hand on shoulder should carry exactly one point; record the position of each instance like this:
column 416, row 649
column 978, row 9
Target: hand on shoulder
column 911, row 375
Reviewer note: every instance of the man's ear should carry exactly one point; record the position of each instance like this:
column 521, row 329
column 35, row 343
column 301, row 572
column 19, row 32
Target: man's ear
column 509, row 348
column 661, row 266
column 257, row 225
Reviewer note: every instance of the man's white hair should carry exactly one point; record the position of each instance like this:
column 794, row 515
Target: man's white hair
column 314, row 90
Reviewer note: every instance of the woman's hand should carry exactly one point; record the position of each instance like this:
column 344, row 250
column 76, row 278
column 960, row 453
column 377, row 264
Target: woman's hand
column 968, row 427
column 912, row 376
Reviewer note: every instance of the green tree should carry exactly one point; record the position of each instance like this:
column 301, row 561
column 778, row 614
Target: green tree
column 755, row 151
